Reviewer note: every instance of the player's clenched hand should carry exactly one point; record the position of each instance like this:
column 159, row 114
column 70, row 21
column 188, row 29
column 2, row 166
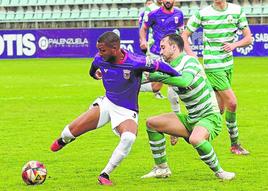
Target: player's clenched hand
column 98, row 75
column 143, row 45
column 228, row 47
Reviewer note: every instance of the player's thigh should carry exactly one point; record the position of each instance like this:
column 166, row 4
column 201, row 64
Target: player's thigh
column 87, row 121
column 219, row 81
column 199, row 134
column 123, row 119
column 96, row 116
column 168, row 123
column 212, row 123
column 228, row 96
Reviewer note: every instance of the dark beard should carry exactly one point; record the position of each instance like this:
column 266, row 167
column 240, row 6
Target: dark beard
column 168, row 5
column 112, row 59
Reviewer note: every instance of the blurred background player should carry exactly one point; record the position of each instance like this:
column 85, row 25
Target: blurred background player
column 201, row 124
column 121, row 73
column 220, row 21
column 150, row 86
column 164, row 20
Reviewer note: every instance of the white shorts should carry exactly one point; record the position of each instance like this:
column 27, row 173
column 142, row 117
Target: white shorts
column 114, row 113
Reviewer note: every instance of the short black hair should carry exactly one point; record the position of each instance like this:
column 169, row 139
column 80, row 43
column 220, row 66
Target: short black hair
column 175, row 39
column 109, row 38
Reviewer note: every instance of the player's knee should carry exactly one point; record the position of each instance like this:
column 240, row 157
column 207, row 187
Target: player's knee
column 194, row 140
column 127, row 139
column 150, row 123
column 232, row 105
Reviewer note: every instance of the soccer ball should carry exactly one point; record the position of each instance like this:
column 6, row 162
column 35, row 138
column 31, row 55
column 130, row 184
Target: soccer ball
column 34, row 172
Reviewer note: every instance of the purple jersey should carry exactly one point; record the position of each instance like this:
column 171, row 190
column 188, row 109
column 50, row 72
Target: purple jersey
column 122, row 81
column 163, row 23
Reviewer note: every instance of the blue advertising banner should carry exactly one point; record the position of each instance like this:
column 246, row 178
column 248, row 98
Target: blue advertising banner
column 81, row 43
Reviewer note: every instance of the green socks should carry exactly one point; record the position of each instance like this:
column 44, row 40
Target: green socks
column 231, row 124
column 208, row 155
column 158, row 146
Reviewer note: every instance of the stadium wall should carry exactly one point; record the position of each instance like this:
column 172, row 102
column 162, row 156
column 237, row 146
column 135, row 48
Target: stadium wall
column 81, row 43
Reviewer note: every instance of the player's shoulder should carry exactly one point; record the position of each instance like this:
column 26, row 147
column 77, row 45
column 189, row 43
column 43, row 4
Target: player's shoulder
column 178, row 10
column 155, row 11
column 97, row 58
column 152, row 7
column 134, row 57
column 189, row 59
column 207, row 9
column 234, row 7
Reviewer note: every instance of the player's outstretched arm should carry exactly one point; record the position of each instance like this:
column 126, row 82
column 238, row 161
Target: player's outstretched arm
column 185, row 35
column 179, row 81
column 151, row 65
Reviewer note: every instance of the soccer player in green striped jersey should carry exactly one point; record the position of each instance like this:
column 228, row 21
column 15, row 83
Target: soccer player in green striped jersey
column 220, row 21
column 203, row 121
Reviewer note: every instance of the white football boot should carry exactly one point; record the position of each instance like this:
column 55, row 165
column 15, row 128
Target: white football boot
column 158, row 172
column 225, row 175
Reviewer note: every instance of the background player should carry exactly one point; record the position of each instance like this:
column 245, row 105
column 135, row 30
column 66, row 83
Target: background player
column 150, row 86
column 220, row 21
column 165, row 20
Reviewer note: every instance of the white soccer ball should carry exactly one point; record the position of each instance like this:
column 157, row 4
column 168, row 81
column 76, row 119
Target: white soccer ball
column 34, row 172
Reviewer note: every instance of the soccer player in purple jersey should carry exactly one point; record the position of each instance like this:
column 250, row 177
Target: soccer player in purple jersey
column 150, row 86
column 165, row 20
column 121, row 73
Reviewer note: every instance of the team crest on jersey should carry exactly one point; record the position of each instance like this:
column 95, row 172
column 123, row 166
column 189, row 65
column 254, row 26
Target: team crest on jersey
column 176, row 19
column 230, row 19
column 126, row 74
column 105, row 70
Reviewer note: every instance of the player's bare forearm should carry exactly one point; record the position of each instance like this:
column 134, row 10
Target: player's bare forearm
column 142, row 33
column 246, row 40
column 185, row 35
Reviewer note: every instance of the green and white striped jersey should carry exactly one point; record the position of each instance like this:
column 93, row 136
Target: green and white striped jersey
column 219, row 26
column 198, row 97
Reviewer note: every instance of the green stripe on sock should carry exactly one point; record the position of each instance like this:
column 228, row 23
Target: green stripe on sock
column 159, row 155
column 231, row 124
column 207, row 154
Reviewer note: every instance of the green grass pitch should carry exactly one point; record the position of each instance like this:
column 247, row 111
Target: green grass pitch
column 38, row 97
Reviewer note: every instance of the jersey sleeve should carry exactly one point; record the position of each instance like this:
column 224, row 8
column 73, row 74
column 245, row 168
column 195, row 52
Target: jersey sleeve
column 148, row 19
column 94, row 67
column 242, row 20
column 192, row 66
column 151, row 65
column 194, row 22
column 179, row 81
